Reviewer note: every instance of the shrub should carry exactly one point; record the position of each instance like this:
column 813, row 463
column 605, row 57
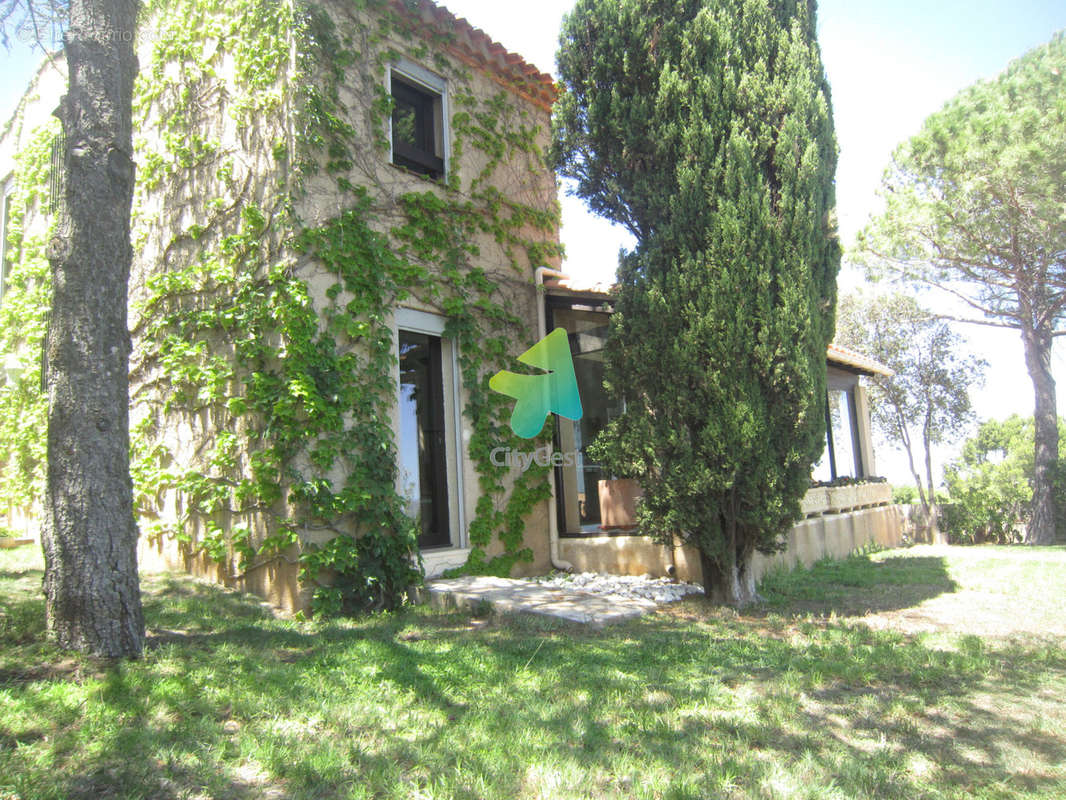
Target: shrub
column 904, row 495
column 991, row 484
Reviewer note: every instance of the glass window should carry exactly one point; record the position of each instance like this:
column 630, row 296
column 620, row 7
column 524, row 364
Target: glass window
column 823, row 470
column 417, row 127
column 5, row 216
column 423, row 444
column 580, row 476
column 842, row 432
column 842, row 457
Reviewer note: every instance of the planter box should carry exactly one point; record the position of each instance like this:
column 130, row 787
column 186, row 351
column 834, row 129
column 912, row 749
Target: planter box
column 842, row 498
column 815, row 502
column 7, row 544
column 618, row 503
column 873, row 494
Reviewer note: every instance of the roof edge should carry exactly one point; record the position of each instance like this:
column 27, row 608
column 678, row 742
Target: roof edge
column 835, row 354
column 477, row 49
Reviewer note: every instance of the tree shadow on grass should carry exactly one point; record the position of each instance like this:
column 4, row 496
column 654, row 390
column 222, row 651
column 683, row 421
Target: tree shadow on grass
column 230, row 702
column 855, row 586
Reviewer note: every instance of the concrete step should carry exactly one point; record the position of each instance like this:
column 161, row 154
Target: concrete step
column 513, row 596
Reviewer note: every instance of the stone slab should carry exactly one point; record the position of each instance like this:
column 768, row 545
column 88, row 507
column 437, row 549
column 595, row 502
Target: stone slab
column 511, row 596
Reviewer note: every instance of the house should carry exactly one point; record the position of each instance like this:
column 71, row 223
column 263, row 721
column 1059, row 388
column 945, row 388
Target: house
column 594, row 514
column 343, row 226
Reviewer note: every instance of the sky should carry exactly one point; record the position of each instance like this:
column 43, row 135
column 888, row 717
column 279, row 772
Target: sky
column 890, row 64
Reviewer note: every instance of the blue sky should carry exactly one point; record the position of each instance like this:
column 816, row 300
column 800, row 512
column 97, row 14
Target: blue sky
column 890, row 64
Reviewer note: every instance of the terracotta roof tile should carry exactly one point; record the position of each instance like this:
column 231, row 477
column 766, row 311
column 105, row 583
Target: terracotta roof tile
column 478, row 49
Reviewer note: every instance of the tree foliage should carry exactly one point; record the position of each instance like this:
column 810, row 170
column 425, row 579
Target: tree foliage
column 973, row 207
column 991, row 482
column 927, row 400
column 705, row 128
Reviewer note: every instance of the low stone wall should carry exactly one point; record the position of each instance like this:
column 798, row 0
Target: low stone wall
column 835, row 535
column 826, row 534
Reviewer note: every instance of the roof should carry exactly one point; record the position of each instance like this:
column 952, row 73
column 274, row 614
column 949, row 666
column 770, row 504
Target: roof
column 568, row 287
column 856, row 361
column 835, row 354
column 477, row 49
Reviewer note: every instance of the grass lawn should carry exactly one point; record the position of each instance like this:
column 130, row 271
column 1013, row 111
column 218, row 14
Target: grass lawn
column 798, row 699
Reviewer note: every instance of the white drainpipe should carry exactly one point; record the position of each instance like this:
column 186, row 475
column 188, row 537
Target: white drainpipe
column 553, row 517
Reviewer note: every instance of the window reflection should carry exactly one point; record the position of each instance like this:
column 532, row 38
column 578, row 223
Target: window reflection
column 841, row 427
column 423, row 455
column 579, row 478
column 841, row 457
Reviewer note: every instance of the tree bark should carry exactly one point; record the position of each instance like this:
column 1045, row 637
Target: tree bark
column 730, row 581
column 1042, row 525
column 923, row 498
column 91, row 585
column 936, row 536
column 732, row 585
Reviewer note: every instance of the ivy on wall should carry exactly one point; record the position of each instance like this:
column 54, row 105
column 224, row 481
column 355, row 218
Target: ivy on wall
column 283, row 392
column 23, row 319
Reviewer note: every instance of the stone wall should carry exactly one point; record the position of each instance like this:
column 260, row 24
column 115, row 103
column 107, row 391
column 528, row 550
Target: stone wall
column 168, row 211
column 208, row 146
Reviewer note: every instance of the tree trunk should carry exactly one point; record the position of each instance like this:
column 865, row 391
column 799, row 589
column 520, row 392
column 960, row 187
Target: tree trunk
column 1046, row 422
column 924, row 499
column 730, row 581
column 90, row 538
column 932, row 510
column 733, row 585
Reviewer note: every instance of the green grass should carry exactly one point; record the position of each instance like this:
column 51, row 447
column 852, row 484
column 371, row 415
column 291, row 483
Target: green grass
column 795, row 700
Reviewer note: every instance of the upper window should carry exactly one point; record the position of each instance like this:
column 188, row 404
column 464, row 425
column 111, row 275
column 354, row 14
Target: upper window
column 418, row 131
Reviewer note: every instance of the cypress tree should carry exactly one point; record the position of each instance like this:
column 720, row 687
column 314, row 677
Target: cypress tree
column 705, row 128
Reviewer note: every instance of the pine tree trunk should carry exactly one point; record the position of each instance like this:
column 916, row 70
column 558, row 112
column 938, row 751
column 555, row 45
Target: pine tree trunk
column 91, row 586
column 1046, row 456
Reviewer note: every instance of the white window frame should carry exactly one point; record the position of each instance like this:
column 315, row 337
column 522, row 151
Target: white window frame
column 430, row 81
column 848, row 384
column 414, row 321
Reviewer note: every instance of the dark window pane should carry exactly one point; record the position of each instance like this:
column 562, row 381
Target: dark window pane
column 423, row 452
column 409, row 122
column 414, row 128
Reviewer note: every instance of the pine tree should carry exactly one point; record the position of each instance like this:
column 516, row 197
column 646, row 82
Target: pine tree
column 974, row 210
column 705, row 128
column 91, row 585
